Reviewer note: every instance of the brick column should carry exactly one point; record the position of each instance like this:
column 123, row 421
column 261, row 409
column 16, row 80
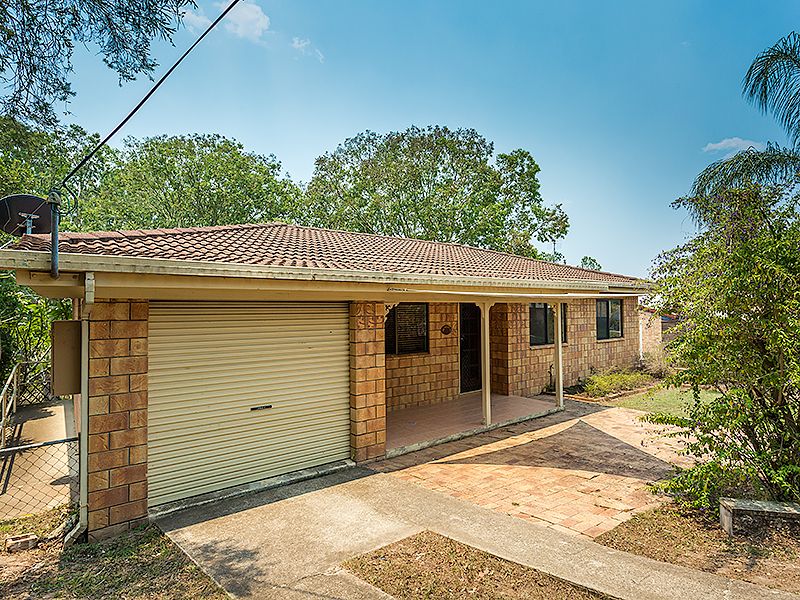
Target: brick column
column 367, row 381
column 117, row 417
column 501, row 352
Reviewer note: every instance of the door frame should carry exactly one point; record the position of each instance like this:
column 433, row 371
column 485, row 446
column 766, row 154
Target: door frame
column 479, row 349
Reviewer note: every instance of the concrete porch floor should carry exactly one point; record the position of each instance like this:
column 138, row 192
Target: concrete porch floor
column 409, row 427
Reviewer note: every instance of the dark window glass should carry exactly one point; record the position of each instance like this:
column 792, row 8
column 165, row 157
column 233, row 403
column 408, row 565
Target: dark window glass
column 407, row 329
column 609, row 319
column 543, row 324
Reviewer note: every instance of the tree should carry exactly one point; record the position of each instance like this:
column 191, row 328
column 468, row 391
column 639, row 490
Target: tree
column 736, row 286
column 188, row 181
column 588, row 262
column 38, row 39
column 433, row 183
column 25, row 319
column 33, row 160
column 772, row 83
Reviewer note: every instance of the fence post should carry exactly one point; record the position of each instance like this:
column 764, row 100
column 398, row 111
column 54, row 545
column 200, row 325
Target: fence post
column 3, row 422
column 15, row 391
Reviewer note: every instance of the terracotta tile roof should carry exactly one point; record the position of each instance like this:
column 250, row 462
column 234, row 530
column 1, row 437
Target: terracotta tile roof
column 278, row 244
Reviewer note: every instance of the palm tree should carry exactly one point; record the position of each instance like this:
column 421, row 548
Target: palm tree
column 772, row 83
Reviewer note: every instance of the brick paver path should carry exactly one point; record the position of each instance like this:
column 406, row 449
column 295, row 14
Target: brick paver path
column 583, row 471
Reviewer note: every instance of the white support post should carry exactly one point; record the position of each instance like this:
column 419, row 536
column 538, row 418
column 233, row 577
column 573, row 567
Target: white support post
column 558, row 358
column 486, row 369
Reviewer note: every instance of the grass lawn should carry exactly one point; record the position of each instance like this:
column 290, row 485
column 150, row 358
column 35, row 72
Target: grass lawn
column 142, row 564
column 768, row 559
column 428, row 565
column 671, row 401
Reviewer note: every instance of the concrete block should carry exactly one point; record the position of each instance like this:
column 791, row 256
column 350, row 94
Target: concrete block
column 17, row 543
column 738, row 516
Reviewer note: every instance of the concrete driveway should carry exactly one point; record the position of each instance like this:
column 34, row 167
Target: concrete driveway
column 289, row 542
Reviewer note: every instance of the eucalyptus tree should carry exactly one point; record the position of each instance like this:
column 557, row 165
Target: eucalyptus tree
column 37, row 41
column 772, row 84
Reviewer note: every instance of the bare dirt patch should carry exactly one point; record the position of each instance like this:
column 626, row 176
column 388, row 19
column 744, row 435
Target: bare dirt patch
column 428, row 565
column 143, row 564
column 769, row 559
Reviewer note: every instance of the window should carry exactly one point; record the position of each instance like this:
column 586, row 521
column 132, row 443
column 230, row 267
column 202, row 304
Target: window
column 407, row 329
column 543, row 324
column 609, row 319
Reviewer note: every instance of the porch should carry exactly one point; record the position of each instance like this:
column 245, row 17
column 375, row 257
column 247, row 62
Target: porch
column 417, row 427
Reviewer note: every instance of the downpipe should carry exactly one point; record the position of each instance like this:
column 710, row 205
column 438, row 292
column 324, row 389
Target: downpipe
column 83, row 434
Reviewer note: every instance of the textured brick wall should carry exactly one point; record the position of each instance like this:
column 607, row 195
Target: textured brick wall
column 650, row 324
column 502, row 348
column 117, row 417
column 367, row 381
column 427, row 377
column 528, row 368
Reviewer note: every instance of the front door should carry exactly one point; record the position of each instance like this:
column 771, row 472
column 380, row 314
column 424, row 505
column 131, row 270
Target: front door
column 470, row 330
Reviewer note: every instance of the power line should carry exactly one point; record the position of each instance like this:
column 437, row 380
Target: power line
column 141, row 103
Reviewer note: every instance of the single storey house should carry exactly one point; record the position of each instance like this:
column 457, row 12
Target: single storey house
column 217, row 358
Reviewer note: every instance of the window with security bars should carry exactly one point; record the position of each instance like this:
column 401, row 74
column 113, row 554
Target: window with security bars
column 609, row 319
column 543, row 324
column 407, row 328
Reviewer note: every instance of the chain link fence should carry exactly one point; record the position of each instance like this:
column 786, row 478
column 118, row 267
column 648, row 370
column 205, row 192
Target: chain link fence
column 33, row 383
column 38, row 477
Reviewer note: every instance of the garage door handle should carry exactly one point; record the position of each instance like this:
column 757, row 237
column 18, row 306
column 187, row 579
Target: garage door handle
column 262, row 407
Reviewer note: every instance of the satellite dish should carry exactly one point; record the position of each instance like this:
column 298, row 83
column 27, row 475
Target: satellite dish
column 25, row 213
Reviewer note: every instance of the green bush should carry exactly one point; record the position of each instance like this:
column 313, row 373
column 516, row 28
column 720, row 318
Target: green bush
column 614, row 381
column 700, row 488
column 737, row 287
column 657, row 364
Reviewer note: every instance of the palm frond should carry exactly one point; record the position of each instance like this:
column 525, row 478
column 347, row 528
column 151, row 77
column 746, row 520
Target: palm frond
column 772, row 166
column 773, row 84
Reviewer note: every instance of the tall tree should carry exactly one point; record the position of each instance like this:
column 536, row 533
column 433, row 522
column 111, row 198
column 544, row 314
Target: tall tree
column 772, row 83
column 188, row 181
column 37, row 40
column 434, row 183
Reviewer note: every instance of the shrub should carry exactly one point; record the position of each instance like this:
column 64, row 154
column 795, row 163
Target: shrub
column 656, row 364
column 737, row 286
column 614, row 381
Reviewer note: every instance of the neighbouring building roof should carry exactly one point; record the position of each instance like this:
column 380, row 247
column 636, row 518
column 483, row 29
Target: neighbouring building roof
column 282, row 245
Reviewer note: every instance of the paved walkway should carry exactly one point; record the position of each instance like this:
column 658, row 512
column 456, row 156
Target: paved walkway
column 581, row 471
column 289, row 542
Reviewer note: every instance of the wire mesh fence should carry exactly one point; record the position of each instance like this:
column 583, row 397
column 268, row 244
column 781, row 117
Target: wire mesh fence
column 33, row 383
column 38, row 477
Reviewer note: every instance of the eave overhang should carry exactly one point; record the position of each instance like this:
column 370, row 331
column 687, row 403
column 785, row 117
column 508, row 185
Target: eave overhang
column 171, row 279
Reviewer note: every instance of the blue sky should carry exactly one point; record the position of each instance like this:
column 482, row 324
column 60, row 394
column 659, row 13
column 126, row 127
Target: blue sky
column 621, row 103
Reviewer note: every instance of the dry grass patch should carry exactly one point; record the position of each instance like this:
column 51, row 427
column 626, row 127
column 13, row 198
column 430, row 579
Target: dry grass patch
column 428, row 565
column 770, row 559
column 143, row 564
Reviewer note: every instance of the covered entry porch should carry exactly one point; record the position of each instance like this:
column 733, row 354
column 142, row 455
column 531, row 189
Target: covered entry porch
column 465, row 376
column 416, row 427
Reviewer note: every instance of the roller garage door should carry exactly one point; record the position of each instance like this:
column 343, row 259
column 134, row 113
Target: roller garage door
column 240, row 391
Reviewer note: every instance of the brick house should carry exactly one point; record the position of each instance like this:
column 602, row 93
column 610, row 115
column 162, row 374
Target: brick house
column 217, row 359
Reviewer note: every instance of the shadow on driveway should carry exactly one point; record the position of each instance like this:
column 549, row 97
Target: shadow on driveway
column 580, row 447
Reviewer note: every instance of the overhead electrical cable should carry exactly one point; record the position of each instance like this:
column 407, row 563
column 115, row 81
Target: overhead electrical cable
column 54, row 198
column 152, row 91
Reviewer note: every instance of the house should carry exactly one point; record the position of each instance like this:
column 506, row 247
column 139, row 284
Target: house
column 216, row 358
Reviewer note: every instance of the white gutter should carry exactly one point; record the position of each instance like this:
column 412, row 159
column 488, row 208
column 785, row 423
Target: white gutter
column 40, row 261
column 83, row 443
